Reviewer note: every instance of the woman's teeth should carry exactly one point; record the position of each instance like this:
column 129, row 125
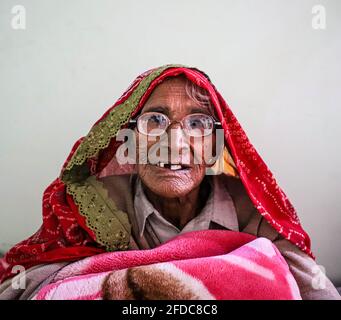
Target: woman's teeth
column 175, row 167
column 170, row 166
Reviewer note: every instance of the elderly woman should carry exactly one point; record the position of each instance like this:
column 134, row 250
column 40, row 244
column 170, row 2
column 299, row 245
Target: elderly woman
column 100, row 203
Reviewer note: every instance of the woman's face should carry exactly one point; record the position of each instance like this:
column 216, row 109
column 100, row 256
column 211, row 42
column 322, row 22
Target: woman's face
column 171, row 99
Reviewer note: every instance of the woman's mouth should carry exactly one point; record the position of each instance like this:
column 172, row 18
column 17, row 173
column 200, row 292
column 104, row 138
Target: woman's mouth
column 172, row 167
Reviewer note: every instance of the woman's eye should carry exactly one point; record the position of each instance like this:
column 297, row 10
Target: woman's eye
column 155, row 119
column 195, row 124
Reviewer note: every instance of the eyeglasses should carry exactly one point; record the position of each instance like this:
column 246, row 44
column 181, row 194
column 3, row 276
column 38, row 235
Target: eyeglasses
column 194, row 125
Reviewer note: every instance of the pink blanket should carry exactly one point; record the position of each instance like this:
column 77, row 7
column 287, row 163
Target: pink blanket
column 210, row 264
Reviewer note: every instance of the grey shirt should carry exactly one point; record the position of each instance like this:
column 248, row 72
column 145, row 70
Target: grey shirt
column 220, row 212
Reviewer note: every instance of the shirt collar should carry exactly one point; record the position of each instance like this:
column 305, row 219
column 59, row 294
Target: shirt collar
column 143, row 207
column 219, row 207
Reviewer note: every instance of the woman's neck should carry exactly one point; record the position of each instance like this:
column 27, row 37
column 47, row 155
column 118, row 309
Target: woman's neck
column 179, row 211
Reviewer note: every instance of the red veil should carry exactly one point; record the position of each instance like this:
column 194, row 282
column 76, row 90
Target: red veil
column 68, row 234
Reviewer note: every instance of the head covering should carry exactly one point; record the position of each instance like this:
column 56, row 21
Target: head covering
column 75, row 218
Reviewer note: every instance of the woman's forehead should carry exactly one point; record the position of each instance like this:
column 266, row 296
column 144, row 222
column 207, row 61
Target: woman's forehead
column 172, row 94
column 170, row 88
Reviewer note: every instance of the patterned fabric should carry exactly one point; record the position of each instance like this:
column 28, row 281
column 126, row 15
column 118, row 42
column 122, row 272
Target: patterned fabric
column 78, row 223
column 190, row 264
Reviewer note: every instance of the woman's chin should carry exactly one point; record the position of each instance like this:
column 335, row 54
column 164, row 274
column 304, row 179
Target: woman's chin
column 170, row 183
column 171, row 191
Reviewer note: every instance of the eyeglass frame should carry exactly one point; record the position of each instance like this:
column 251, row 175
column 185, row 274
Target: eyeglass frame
column 215, row 123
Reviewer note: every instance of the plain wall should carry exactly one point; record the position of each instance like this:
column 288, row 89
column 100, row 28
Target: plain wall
column 75, row 58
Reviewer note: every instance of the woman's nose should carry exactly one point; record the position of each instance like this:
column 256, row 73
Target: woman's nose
column 178, row 143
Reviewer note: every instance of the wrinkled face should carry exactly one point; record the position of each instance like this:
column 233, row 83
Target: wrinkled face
column 171, row 99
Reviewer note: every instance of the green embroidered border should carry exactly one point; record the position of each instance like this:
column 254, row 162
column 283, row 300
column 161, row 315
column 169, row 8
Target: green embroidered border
column 110, row 225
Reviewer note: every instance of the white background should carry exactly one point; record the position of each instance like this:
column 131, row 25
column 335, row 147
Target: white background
column 280, row 76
